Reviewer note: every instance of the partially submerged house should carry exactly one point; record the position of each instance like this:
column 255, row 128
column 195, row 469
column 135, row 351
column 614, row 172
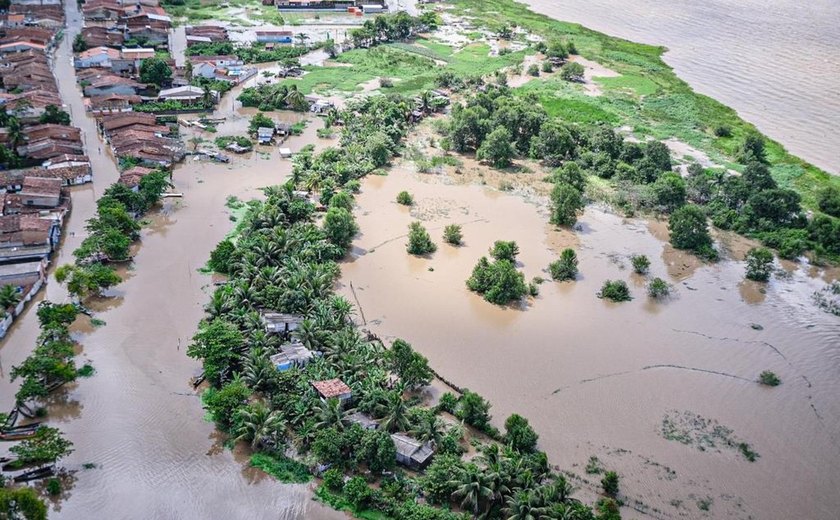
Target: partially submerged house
column 265, row 135
column 412, row 453
column 292, row 355
column 279, row 323
column 333, row 389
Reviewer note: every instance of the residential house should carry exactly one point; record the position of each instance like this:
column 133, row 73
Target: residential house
column 108, row 84
column 293, row 355
column 41, row 192
column 27, row 237
column 110, row 103
column 412, row 453
column 278, row 323
column 96, row 36
column 333, row 389
column 21, row 46
column 103, row 57
column 266, row 36
column 187, row 94
column 22, row 274
column 131, row 177
column 213, row 33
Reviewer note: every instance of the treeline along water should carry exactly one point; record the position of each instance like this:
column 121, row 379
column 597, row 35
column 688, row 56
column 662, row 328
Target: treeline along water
column 776, row 62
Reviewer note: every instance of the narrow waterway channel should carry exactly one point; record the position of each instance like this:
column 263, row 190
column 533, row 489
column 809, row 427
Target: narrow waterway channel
column 137, row 420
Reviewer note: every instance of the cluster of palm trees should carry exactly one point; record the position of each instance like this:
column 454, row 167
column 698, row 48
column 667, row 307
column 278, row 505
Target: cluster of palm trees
column 502, row 483
column 283, row 261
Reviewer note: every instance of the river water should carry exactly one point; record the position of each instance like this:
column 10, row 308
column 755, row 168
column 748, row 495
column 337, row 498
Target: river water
column 596, row 378
column 777, row 62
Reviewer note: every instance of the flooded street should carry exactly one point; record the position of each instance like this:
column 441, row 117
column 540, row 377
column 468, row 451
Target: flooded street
column 142, row 446
column 598, row 378
column 776, row 63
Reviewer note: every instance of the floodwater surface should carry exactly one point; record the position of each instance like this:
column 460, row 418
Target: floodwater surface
column 777, row 63
column 603, row 379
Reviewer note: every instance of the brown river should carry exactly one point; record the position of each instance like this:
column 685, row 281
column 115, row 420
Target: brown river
column 594, row 378
column 776, row 62
column 597, row 378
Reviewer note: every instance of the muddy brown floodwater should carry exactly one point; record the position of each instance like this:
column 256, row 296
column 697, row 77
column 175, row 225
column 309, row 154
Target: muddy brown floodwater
column 137, row 420
column 597, row 378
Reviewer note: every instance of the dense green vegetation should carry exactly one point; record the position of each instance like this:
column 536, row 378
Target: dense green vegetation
column 419, row 241
column 253, row 53
column 21, row 503
column 764, row 202
column 615, row 290
column 498, row 281
column 566, row 268
column 280, row 259
column 110, row 234
column 769, row 378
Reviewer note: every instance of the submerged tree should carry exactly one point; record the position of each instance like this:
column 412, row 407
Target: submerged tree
column 419, row 241
column 566, row 267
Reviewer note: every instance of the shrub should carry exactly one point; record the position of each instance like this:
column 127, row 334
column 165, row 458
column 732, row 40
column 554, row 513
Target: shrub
column 641, row 264
column 419, row 241
column 759, row 264
column 54, row 486
column 572, row 72
column 504, row 250
column 615, row 290
column 610, row 483
column 340, row 227
column 723, row 131
column 386, row 82
column 221, row 257
column 357, row 492
column 519, row 435
column 473, row 410
column 452, row 234
column 534, row 70
column 447, row 402
column 547, row 66
column 566, row 201
column 828, row 201
column 769, row 378
column 405, row 199
column 334, row 479
column 566, row 267
column 658, row 288
column 689, row 230
column 499, row 282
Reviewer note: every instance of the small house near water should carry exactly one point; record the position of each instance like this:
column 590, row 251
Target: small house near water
column 292, row 355
column 278, row 323
column 412, row 453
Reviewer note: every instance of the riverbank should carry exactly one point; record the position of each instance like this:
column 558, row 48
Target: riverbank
column 778, row 75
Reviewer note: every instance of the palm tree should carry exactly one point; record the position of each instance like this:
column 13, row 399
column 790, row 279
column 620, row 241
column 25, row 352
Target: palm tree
column 329, row 413
column 523, row 506
column 472, row 489
column 428, row 429
column 394, row 412
column 258, row 371
column 9, row 297
column 260, row 426
column 296, row 100
column 302, row 37
column 207, row 96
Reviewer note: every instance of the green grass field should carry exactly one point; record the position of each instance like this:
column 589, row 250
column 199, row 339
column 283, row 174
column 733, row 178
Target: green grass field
column 648, row 96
